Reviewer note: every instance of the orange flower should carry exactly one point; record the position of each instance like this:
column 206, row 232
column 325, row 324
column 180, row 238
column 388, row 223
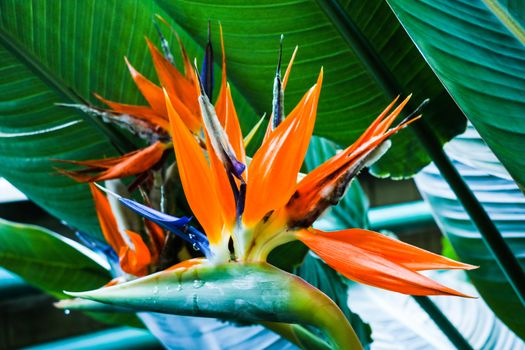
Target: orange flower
column 181, row 89
column 262, row 206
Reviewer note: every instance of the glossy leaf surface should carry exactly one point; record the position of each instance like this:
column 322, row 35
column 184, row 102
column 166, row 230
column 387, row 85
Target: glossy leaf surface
column 477, row 49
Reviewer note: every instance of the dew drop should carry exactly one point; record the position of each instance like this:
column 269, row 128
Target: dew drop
column 196, row 247
column 67, row 312
column 198, row 283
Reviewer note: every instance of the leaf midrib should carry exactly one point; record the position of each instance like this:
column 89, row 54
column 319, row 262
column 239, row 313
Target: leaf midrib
column 121, row 144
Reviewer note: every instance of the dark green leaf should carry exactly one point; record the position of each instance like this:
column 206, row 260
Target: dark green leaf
column 477, row 49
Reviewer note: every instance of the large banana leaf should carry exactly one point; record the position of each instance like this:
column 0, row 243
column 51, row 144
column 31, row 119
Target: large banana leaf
column 52, row 52
column 477, row 49
column 505, row 205
column 353, row 90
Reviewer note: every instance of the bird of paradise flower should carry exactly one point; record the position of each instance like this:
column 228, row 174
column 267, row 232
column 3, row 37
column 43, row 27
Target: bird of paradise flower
column 248, row 207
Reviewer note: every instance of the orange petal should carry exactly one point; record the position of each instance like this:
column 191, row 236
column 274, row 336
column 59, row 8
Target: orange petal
column 151, row 92
column 134, row 255
column 140, row 112
column 106, row 219
column 289, row 68
column 129, row 164
column 188, row 68
column 196, row 177
column 274, row 167
column 369, row 266
column 182, row 91
column 136, row 259
column 325, row 185
column 105, row 163
column 223, row 187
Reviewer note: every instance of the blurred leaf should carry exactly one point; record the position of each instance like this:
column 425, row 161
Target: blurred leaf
column 318, row 274
column 477, row 49
column 505, row 205
column 353, row 88
column 47, row 260
column 53, row 264
column 448, row 249
column 400, row 324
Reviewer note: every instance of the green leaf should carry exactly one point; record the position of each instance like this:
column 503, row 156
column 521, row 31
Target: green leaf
column 245, row 292
column 318, row 274
column 53, row 264
column 60, row 51
column 354, row 89
column 477, row 49
column 505, row 205
column 47, row 260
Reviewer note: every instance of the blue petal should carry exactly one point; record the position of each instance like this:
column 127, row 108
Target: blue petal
column 178, row 226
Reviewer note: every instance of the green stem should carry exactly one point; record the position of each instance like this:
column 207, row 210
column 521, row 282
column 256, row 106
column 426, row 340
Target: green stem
column 316, row 309
column 298, row 335
column 385, row 78
column 443, row 323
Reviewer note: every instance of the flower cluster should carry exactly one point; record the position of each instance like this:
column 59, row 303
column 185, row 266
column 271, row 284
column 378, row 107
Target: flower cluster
column 245, row 206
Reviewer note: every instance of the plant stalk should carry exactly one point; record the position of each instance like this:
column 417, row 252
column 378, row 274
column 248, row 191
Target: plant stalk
column 443, row 323
column 297, row 335
column 493, row 239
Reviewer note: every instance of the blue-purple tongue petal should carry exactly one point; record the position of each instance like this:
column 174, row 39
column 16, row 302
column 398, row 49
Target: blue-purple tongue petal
column 178, row 226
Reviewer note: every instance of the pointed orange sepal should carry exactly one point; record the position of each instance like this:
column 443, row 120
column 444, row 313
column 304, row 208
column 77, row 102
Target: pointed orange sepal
column 134, row 255
column 133, row 163
column 325, row 185
column 151, row 92
column 196, row 177
column 106, row 219
column 182, row 91
column 274, row 167
column 381, row 263
column 143, row 113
